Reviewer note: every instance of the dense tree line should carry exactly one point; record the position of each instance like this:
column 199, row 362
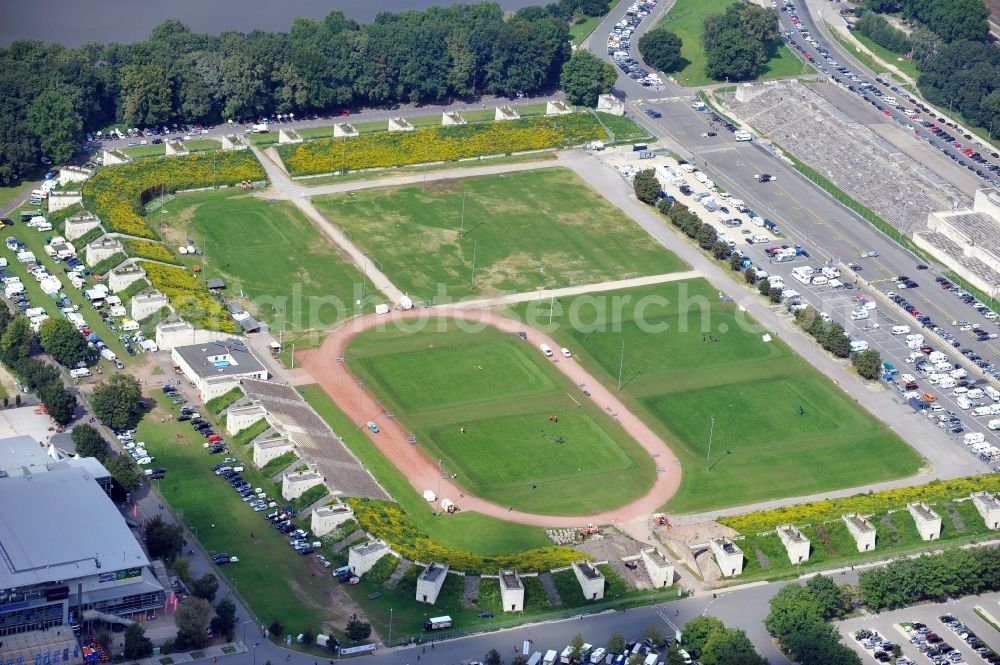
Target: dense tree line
column 876, row 28
column 959, row 65
column 16, row 343
column 712, row 643
column 830, row 334
column 50, row 95
column 954, row 572
column 798, row 619
column 738, row 41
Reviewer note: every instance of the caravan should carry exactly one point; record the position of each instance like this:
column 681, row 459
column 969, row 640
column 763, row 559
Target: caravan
column 803, row 274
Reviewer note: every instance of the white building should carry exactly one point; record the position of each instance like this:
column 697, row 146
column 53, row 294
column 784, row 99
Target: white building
column 288, row 135
column 217, row 367
column 590, row 578
column 400, row 125
column 270, row 449
column 795, row 543
column 234, row 142
column 452, row 118
column 430, row 582
column 968, row 241
column 728, row 555
column 927, row 521
column 78, row 225
column 862, row 530
column 511, row 591
column 175, row 148
column 361, row 558
column 101, row 249
column 68, row 174
column 344, row 129
column 660, row 571
column 325, row 519
column 610, row 104
column 113, row 157
column 147, row 304
column 64, row 198
column 297, row 483
column 123, row 276
column 988, row 507
column 557, row 107
column 506, row 113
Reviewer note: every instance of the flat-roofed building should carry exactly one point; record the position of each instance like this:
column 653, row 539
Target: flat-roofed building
column 728, row 555
column 430, row 582
column 590, row 578
column 216, row 367
column 327, row 518
column 361, row 558
column 660, row 571
column 511, row 591
column 295, row 484
column 795, row 543
column 988, row 507
column 927, row 521
column 862, row 530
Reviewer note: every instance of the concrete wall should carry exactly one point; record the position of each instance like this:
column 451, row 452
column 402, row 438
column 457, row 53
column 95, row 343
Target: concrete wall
column 557, row 108
column 610, row 104
column 288, row 136
column 452, row 118
column 216, row 386
column 400, row 125
column 68, row 174
column 239, row 418
column 862, row 530
column 511, row 591
column 294, row 485
column 660, row 571
column 63, row 199
column 591, row 580
column 344, row 129
column 147, row 304
column 234, row 142
column 988, row 508
column 265, row 451
column 113, row 157
column 181, row 333
column 78, row 225
column 795, row 543
column 361, row 558
column 506, row 113
column 927, row 521
column 101, row 249
column 327, row 518
column 122, row 277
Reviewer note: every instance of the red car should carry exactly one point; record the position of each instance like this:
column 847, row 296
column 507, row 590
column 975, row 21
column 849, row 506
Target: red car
column 968, row 152
column 887, row 113
column 214, row 437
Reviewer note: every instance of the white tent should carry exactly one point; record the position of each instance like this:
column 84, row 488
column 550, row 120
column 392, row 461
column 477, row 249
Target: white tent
column 429, row 495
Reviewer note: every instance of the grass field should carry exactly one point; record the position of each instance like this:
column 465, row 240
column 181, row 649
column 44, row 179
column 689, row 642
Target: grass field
column 686, row 19
column 503, row 419
column 780, row 428
column 906, row 65
column 522, row 231
column 270, row 251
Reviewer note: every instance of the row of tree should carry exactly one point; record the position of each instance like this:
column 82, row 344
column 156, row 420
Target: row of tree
column 647, row 189
column 830, row 334
column 739, row 41
column 954, row 572
column 89, row 443
column 876, row 28
column 952, row 20
column 50, row 95
column 798, row 619
column 16, row 343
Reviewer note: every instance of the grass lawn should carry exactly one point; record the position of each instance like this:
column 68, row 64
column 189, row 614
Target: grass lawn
column 288, row 272
column 11, row 192
column 377, row 174
column 544, row 228
column 678, row 379
column 468, row 531
column 503, row 419
column 906, row 65
column 686, row 19
column 625, row 130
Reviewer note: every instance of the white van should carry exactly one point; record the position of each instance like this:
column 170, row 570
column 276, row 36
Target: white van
column 820, row 280
column 760, row 239
column 947, row 383
column 982, row 411
column 992, row 392
column 963, row 403
column 936, row 356
column 975, row 393
column 700, row 177
column 803, row 274
column 959, row 391
column 973, row 437
column 831, row 272
column 889, row 100
column 743, row 135
column 79, row 373
column 994, row 424
column 546, row 349
column 687, row 168
column 776, row 281
column 859, row 314
column 900, row 330
column 858, row 346
column 916, row 337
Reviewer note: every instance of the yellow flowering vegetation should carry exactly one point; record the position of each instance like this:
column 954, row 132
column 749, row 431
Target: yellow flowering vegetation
column 148, row 249
column 117, row 194
column 439, row 144
column 188, row 296
column 389, row 522
column 830, row 509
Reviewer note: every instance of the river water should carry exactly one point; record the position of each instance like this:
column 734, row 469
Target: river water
column 72, row 22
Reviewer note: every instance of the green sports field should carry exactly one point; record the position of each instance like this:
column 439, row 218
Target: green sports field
column 522, row 231
column 503, row 418
column 289, row 273
column 781, row 428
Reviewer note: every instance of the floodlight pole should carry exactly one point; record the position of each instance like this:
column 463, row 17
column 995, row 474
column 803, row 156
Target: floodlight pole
column 461, row 231
column 440, row 475
column 389, row 644
column 711, row 431
column 475, row 246
column 621, row 364
column 552, row 304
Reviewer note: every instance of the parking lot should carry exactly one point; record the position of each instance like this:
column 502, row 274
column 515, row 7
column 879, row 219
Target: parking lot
column 924, row 638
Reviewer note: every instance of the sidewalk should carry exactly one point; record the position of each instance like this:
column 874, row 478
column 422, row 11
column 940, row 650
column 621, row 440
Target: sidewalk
column 208, row 653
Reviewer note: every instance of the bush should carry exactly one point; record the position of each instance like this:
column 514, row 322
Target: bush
column 661, row 49
column 877, row 29
column 646, row 186
column 868, row 363
column 189, row 296
column 439, row 144
column 148, row 249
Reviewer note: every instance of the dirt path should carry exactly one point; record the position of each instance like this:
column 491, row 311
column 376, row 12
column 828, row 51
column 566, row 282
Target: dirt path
column 422, row 471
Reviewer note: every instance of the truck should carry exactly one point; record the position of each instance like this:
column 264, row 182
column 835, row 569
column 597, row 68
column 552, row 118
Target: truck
column 565, row 657
column 438, row 623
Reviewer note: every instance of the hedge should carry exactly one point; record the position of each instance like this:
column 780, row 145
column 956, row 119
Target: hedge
column 189, row 296
column 390, row 522
column 217, row 405
column 250, row 433
column 148, row 249
column 439, row 144
column 102, row 267
column 278, row 463
column 818, row 512
column 117, row 194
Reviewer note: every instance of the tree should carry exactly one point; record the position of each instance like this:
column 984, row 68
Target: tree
column 576, row 646
column 647, row 187
column 584, row 77
column 828, row 596
column 16, row 341
column 665, row 205
column 56, row 125
column 673, row 656
column 125, row 471
column 164, row 540
column 750, row 275
column 654, row 634
column 868, row 363
column 60, row 338
column 358, row 630
column 116, row 403
column 706, row 236
column 735, row 262
column 698, row 630
column 634, row 659
column 205, row 586
column 224, row 621
column 137, row 645
column 836, row 341
column 661, row 49
column 876, row 28
column 616, row 642
column 275, row 628
column 492, row 657
column 89, row 442
column 730, row 646
column 192, row 618
column 59, row 402
column 519, row 660
column 764, row 287
column 307, row 636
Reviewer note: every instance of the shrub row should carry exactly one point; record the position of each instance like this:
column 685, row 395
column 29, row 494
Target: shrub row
column 439, row 144
column 391, row 523
column 189, row 297
column 148, row 249
column 817, row 512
